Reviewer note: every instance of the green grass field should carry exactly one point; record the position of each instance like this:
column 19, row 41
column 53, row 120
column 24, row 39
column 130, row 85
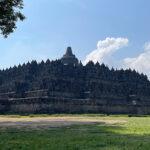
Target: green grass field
column 110, row 133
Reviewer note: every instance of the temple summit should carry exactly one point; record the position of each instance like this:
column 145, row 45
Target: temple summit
column 69, row 58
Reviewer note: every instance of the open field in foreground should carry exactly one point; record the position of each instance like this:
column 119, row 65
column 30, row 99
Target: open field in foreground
column 74, row 132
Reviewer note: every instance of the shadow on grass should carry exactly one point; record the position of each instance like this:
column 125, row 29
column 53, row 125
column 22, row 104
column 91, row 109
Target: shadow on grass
column 76, row 137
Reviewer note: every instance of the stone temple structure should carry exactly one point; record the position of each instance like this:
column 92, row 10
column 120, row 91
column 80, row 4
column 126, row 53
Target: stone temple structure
column 69, row 58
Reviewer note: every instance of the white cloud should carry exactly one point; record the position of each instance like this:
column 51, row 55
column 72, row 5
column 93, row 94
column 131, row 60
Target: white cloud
column 105, row 49
column 141, row 63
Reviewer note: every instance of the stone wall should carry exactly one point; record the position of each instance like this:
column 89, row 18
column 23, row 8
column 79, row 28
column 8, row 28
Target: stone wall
column 53, row 105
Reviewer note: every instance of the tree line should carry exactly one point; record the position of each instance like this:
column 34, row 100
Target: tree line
column 92, row 80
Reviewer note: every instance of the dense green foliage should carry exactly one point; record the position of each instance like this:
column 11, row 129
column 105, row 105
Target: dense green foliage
column 134, row 134
column 90, row 81
column 9, row 15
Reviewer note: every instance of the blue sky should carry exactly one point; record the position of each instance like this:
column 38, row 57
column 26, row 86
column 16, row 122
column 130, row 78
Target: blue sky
column 52, row 25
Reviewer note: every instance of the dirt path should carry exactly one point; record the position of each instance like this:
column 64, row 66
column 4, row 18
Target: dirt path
column 53, row 122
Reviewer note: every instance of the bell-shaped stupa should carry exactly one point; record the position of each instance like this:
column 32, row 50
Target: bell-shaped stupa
column 69, row 58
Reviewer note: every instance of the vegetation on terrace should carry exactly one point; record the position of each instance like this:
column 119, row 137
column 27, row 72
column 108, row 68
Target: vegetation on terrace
column 89, row 81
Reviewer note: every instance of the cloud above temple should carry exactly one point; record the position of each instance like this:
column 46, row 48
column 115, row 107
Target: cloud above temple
column 105, row 49
column 141, row 63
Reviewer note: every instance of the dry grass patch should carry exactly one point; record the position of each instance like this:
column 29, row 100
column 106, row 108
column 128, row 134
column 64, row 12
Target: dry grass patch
column 55, row 121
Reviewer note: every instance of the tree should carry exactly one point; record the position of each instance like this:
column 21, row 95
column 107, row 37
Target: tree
column 9, row 15
column 21, row 88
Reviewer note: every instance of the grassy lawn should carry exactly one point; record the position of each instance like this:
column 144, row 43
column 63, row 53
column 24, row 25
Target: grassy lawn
column 109, row 133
